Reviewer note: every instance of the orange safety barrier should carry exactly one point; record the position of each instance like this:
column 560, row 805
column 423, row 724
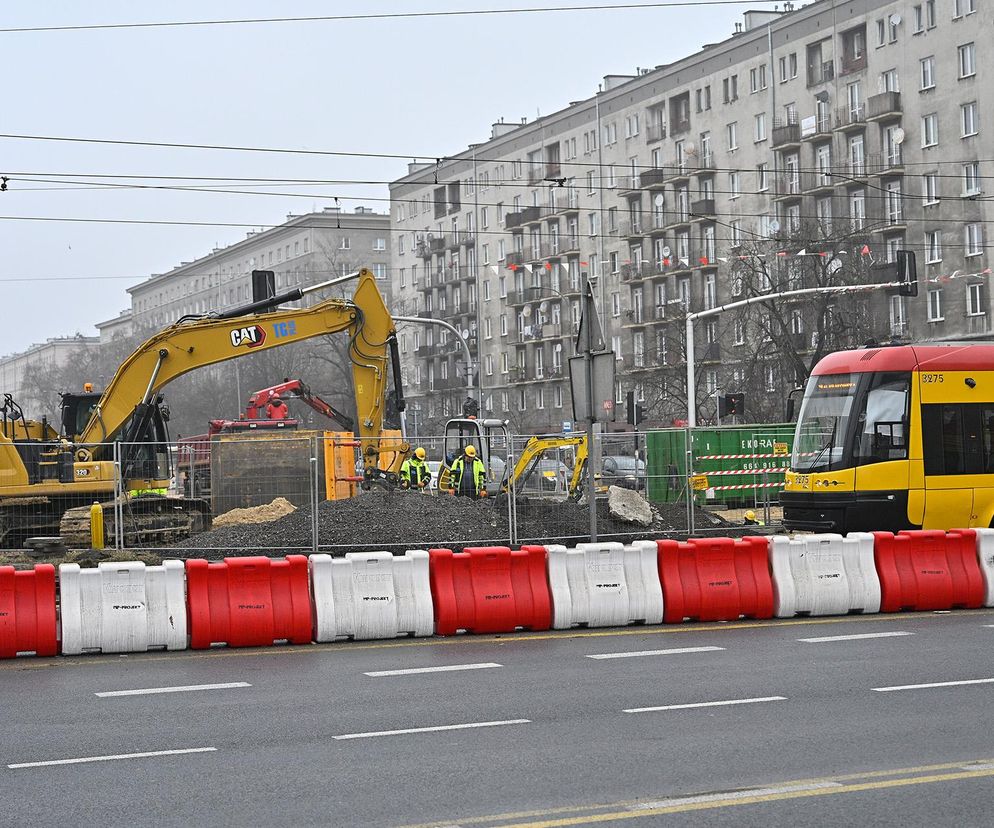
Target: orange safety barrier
column 928, row 570
column 27, row 611
column 489, row 590
column 248, row 602
column 715, row 579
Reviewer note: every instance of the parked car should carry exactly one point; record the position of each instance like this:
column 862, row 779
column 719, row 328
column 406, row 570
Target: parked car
column 627, row 472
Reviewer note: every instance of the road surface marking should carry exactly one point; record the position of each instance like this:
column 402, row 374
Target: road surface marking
column 188, row 688
column 85, row 759
column 343, row 648
column 934, row 684
column 793, row 785
column 444, row 669
column 705, row 704
column 855, row 637
column 640, row 653
column 434, row 729
column 720, row 797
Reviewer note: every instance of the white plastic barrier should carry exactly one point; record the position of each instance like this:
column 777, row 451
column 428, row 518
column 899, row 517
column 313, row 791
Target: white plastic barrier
column 122, row 607
column 371, row 595
column 824, row 574
column 604, row 585
column 985, row 557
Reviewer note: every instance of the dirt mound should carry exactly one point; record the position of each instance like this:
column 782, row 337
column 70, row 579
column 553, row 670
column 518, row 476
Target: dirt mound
column 266, row 513
column 395, row 521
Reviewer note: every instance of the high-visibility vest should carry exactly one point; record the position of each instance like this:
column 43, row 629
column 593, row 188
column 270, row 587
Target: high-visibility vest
column 479, row 472
column 421, row 473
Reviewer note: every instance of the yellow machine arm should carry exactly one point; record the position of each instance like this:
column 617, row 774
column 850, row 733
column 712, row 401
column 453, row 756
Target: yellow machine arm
column 209, row 340
column 536, row 447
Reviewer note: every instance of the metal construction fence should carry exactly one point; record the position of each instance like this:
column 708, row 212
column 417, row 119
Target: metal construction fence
column 303, row 491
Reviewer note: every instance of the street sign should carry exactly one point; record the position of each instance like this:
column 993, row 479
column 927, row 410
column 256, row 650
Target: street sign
column 780, row 449
column 584, row 407
column 567, row 426
column 699, row 482
column 608, row 405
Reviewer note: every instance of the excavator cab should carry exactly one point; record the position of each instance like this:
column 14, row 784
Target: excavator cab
column 76, row 412
column 492, row 442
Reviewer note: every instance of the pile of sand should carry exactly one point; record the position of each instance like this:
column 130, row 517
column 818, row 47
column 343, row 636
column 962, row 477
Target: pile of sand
column 256, row 514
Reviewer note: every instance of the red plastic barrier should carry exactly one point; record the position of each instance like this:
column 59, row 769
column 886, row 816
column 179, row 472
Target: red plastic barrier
column 27, row 611
column 715, row 579
column 248, row 602
column 928, row 570
column 490, row 590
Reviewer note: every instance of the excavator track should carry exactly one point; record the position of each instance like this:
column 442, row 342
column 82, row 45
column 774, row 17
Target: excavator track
column 149, row 521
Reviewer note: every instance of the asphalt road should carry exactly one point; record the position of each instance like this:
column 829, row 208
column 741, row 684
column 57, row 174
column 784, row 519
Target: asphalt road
column 743, row 723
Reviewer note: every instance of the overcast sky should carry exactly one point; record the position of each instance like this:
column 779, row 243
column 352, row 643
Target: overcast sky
column 421, row 87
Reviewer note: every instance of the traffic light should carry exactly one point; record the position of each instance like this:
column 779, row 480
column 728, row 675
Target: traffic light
column 731, row 405
column 635, row 410
column 907, row 273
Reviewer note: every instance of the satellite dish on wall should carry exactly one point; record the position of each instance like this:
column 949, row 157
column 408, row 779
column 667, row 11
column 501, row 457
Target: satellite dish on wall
column 899, row 136
column 658, row 200
column 465, row 333
column 526, row 311
column 543, row 306
column 895, row 20
column 665, row 251
column 690, row 148
column 774, row 226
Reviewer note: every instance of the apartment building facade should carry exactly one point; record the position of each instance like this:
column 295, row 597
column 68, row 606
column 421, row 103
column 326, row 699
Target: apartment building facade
column 865, row 120
column 306, row 249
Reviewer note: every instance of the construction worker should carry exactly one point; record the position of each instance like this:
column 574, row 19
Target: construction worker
column 750, row 519
column 468, row 475
column 414, row 473
column 276, row 409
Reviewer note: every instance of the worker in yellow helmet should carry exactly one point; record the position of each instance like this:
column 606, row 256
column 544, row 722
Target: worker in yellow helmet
column 468, row 475
column 750, row 519
column 414, row 473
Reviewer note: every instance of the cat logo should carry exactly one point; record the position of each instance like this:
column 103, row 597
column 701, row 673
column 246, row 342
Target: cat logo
column 251, row 337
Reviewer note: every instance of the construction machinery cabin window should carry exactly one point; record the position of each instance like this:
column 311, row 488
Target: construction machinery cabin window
column 958, row 438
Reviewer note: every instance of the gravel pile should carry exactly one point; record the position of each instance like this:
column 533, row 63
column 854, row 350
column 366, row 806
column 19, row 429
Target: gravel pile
column 396, row 521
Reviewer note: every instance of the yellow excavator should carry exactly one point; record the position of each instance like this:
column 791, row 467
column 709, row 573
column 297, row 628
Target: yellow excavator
column 49, row 478
column 492, row 441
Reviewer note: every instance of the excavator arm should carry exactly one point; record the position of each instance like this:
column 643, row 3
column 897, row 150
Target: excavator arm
column 129, row 398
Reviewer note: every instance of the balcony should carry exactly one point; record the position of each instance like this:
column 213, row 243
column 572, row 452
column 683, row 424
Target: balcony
column 888, row 163
column 821, row 72
column 823, row 179
column 655, row 132
column 822, row 128
column 515, row 258
column 635, row 271
column 680, row 126
column 512, row 220
column 531, row 214
column 659, row 313
column 632, row 228
column 677, row 173
column 712, row 352
column 652, row 178
column 452, row 242
column 425, row 351
column 703, row 164
column 569, row 244
column 467, row 238
column 852, row 63
column 536, row 333
column 786, row 133
column 702, row 209
column 848, row 118
column 883, row 106
column 789, row 185
column 629, row 184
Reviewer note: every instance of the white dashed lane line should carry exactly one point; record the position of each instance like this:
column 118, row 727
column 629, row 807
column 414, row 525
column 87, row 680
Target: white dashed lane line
column 112, row 758
column 187, row 688
column 725, row 703
column 641, row 653
column 446, row 668
column 434, row 729
column 933, row 684
column 856, row 637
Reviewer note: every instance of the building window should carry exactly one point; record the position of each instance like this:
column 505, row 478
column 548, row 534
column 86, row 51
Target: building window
column 488, row 363
column 345, row 243
column 898, row 316
column 971, row 178
column 927, row 72
column 975, row 300
column 857, row 209
column 732, row 134
column 930, row 188
column 933, row 246
column 967, row 61
column 974, row 238
column 930, row 130
column 763, row 176
column 615, row 304
column 935, row 305
column 963, row 7
column 557, row 396
column 760, row 132
column 380, row 244
column 968, row 118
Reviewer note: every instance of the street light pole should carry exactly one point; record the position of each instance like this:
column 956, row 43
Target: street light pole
column 417, row 320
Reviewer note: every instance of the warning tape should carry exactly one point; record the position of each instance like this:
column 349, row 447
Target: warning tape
column 757, row 472
column 738, row 456
column 738, row 486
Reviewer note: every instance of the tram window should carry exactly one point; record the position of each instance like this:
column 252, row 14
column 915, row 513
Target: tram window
column 963, row 441
column 881, row 433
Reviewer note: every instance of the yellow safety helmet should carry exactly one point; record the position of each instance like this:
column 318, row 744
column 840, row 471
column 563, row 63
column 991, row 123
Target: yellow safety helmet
column 750, row 515
column 471, row 451
column 420, row 453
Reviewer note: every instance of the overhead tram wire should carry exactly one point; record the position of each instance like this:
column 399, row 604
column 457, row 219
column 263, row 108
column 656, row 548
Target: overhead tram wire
column 341, row 18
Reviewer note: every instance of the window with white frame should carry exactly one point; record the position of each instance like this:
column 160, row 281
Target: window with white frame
column 890, row 81
column 927, row 72
column 971, row 178
column 930, row 188
column 710, row 290
column 963, row 7
column 935, row 305
column 732, row 136
column 975, row 300
column 967, row 60
column 973, row 239
column 898, row 316
column 762, row 176
column 933, row 246
column 738, row 331
column 615, row 304
column 759, row 132
column 968, row 119
column 930, row 130
column 488, row 364
column 857, row 209
column 616, row 347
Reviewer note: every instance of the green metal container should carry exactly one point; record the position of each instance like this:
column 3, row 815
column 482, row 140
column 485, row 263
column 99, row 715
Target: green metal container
column 729, row 456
